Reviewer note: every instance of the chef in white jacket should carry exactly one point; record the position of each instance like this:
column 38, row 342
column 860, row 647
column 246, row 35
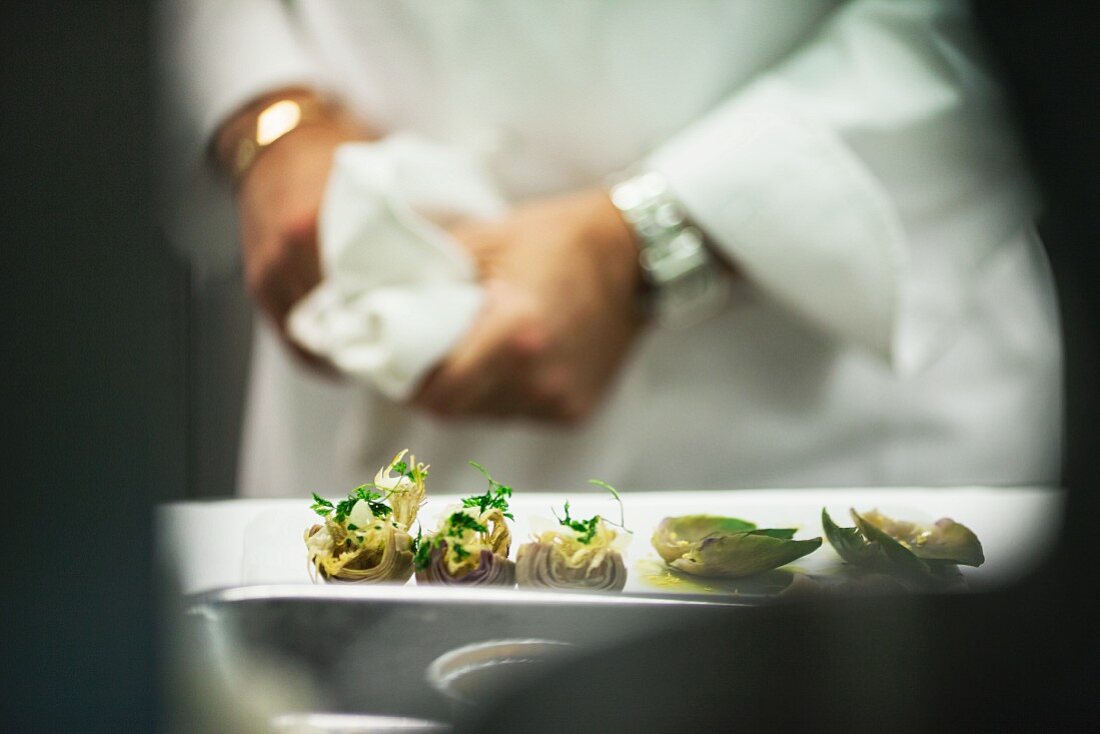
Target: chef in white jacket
column 866, row 298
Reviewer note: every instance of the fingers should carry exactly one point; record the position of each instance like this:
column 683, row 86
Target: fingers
column 474, row 378
column 281, row 273
column 490, row 372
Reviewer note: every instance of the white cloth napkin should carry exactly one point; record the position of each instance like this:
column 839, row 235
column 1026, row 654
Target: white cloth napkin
column 397, row 293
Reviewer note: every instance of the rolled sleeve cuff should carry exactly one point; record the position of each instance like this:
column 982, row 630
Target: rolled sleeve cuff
column 796, row 210
column 239, row 51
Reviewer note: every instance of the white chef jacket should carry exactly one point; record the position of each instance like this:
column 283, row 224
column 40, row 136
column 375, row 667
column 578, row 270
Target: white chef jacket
column 894, row 322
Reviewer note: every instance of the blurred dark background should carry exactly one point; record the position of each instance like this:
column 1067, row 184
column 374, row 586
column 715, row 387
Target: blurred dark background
column 95, row 378
column 102, row 365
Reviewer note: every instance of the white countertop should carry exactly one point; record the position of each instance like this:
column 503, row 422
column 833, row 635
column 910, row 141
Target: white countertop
column 215, row 544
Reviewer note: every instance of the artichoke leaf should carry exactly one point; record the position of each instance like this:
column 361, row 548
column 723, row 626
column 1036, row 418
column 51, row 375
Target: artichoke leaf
column 946, row 541
column 902, row 560
column 781, row 533
column 742, row 554
column 851, row 546
column 675, row 536
column 952, row 542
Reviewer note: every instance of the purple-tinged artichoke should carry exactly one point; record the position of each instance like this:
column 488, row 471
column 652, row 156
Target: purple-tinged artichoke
column 470, row 547
column 491, row 570
column 548, row 564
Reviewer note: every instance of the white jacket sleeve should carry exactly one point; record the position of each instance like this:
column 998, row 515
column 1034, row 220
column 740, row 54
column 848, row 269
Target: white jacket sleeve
column 215, row 56
column 863, row 180
column 220, row 54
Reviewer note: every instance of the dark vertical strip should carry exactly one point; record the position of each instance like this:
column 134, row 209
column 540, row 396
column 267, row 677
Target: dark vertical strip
column 93, row 367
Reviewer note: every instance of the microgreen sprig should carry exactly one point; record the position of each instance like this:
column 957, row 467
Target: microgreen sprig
column 496, row 497
column 587, row 528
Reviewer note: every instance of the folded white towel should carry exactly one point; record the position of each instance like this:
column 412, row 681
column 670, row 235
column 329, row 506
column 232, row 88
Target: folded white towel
column 397, row 291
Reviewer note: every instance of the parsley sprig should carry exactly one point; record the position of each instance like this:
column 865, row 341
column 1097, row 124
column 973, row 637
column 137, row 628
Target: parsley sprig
column 459, row 522
column 414, row 473
column 320, row 505
column 496, row 497
column 454, row 526
column 586, row 529
column 340, row 511
column 422, row 548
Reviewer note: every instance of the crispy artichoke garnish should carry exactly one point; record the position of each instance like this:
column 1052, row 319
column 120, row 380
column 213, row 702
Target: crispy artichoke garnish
column 726, row 547
column 363, row 539
column 922, row 556
column 490, row 569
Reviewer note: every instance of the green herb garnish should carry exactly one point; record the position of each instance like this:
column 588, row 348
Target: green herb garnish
column 587, row 528
column 614, row 493
column 412, row 473
column 340, row 511
column 453, row 527
column 496, row 497
column 422, row 548
column 320, row 505
column 460, row 521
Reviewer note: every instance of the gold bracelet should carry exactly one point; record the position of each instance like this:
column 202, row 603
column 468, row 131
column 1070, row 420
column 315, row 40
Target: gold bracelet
column 257, row 131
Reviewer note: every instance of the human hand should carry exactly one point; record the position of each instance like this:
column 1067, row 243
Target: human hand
column 278, row 200
column 562, row 280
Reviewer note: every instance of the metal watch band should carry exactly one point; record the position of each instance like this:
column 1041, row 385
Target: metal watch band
column 686, row 283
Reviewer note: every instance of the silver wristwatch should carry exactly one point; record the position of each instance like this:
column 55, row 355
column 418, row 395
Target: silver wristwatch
column 685, row 282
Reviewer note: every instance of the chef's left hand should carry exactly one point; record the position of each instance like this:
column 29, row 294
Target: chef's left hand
column 562, row 279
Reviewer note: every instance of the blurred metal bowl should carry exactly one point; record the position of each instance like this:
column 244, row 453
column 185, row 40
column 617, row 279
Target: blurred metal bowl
column 474, row 673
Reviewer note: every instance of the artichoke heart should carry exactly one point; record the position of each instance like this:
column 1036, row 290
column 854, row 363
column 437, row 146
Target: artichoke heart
column 364, row 539
column 726, row 547
column 565, row 560
column 470, row 547
column 490, row 570
column 390, row 558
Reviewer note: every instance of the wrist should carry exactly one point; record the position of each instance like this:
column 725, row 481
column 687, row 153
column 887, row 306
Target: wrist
column 684, row 282
column 265, row 121
column 616, row 241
